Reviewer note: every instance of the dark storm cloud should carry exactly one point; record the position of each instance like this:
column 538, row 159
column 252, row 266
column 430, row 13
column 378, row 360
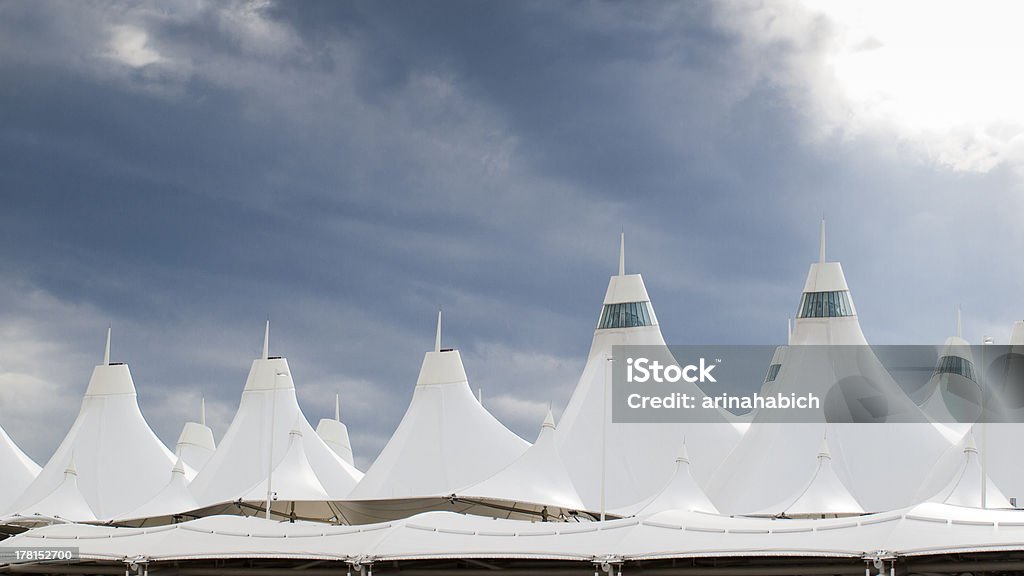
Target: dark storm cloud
column 347, row 168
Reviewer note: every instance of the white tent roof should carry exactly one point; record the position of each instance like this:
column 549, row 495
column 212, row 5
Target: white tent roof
column 173, row 499
column 964, row 489
column 65, row 502
column 335, row 434
column 446, row 439
column 774, row 460
column 120, row 461
column 195, row 444
column 261, row 430
column 680, row 493
column 19, row 470
column 631, row 473
column 538, row 476
column 825, row 495
column 294, row 477
column 949, row 392
column 925, row 531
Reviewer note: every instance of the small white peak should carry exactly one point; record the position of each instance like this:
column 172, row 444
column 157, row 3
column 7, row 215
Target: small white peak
column 549, row 421
column 683, row 457
column 823, row 452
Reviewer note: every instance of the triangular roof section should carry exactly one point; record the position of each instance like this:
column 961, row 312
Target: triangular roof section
column 965, row 487
column 260, row 433
column 19, row 470
column 173, row 500
column 954, row 392
column 870, row 417
column 335, row 433
column 120, row 461
column 824, row 496
column 680, row 493
column 65, row 501
column 293, row 478
column 446, row 440
column 195, row 444
column 639, row 457
column 538, row 476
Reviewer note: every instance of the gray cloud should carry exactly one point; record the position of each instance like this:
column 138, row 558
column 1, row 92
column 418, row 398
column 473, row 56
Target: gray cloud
column 182, row 171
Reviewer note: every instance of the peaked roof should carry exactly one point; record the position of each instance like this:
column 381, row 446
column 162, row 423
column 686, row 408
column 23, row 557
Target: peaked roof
column 680, row 493
column 774, row 460
column 964, row 489
column 66, row 500
column 825, row 495
column 954, row 399
column 261, row 432
column 19, row 470
column 175, row 498
column 335, row 434
column 293, row 477
column 538, row 476
column 446, row 439
column 108, row 438
column 631, row 473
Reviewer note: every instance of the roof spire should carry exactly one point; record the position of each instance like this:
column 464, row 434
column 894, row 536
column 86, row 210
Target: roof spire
column 684, row 455
column 437, row 339
column 622, row 254
column 824, row 452
column 821, row 249
column 789, row 331
column 202, row 411
column 106, row 351
column 266, row 341
column 959, row 324
column 549, row 420
column 337, row 407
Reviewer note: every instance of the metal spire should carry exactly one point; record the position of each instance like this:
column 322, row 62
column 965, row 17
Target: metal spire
column 106, row 351
column 622, row 254
column 821, row 249
column 437, row 339
column 202, row 411
column 337, row 407
column 266, row 341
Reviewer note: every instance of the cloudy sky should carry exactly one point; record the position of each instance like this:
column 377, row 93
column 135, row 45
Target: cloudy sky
column 183, row 170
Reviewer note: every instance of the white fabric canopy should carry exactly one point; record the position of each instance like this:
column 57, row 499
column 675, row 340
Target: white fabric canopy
column 680, row 493
column 19, row 470
column 261, row 431
column 639, row 457
column 823, row 496
column 120, row 462
column 446, row 440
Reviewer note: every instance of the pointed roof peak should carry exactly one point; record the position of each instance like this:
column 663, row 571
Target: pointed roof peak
column 969, row 445
column 337, row 407
column 823, row 452
column 202, row 410
column 70, row 470
column 437, row 338
column 622, row 254
column 106, row 350
column 266, row 341
column 549, row 420
column 683, row 456
column 179, row 467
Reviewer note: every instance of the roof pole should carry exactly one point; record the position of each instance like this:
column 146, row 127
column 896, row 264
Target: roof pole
column 437, row 339
column 337, row 407
column 270, row 446
column 821, row 249
column 622, row 254
column 202, row 411
column 106, row 351
column 266, row 341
